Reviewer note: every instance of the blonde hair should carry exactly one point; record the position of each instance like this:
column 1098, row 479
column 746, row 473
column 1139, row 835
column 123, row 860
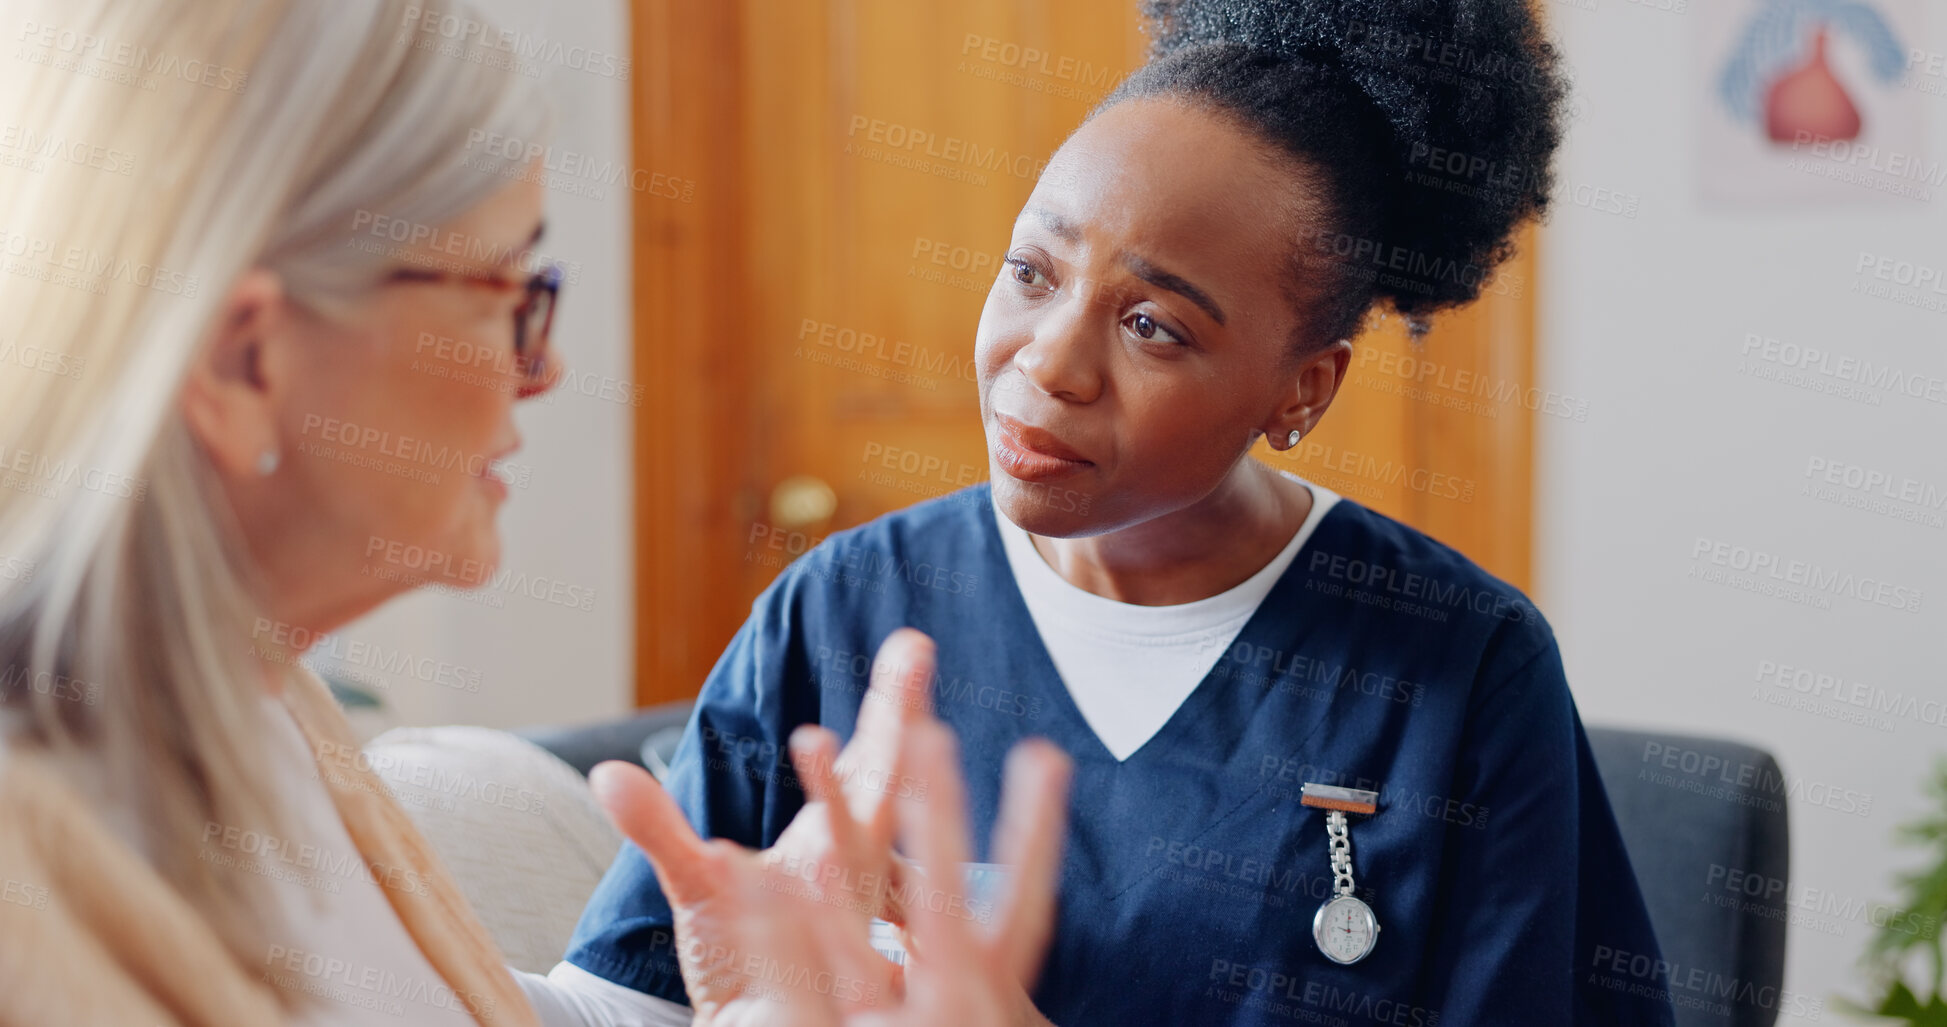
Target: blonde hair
column 161, row 149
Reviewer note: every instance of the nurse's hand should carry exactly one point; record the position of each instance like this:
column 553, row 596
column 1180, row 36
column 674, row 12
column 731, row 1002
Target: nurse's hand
column 759, row 943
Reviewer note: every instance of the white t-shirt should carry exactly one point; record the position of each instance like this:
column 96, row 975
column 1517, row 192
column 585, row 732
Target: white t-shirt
column 1129, row 667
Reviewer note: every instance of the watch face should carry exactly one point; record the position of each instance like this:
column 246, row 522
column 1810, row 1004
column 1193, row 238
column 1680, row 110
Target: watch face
column 1345, row 929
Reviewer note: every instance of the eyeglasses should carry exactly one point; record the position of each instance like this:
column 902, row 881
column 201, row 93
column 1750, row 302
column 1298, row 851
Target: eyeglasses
column 533, row 318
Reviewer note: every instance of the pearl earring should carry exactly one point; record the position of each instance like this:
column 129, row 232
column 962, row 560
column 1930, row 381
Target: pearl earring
column 267, row 462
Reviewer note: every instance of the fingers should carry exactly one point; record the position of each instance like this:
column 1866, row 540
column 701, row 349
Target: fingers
column 899, row 877
column 936, row 829
column 845, row 948
column 940, row 839
column 647, row 816
column 902, row 673
column 1028, row 839
column 899, row 696
column 848, row 953
column 814, row 752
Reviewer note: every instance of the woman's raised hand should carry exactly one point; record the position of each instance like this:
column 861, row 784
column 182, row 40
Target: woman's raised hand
column 956, row 971
column 780, row 937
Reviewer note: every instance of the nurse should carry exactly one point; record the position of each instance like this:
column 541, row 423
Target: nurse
column 1326, row 769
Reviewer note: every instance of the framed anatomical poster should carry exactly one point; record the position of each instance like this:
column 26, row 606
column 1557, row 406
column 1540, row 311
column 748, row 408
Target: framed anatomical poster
column 1816, row 102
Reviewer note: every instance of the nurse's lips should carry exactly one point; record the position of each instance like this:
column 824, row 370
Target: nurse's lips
column 1028, row 453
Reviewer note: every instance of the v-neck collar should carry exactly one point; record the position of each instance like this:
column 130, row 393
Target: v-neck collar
column 1196, row 714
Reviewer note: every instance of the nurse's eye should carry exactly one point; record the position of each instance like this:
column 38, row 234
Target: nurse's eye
column 1025, row 274
column 1148, row 329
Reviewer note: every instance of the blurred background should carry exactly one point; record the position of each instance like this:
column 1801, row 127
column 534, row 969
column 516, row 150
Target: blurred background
column 1699, row 417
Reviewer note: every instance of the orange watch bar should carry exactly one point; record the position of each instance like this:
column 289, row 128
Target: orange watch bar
column 1350, row 800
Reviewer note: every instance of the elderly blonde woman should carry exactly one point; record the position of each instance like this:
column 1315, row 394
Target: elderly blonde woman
column 185, row 219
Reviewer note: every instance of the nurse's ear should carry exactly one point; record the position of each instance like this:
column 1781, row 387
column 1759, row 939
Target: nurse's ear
column 1314, row 382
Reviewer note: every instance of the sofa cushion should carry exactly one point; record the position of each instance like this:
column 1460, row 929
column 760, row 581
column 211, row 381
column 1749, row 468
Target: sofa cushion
column 516, row 826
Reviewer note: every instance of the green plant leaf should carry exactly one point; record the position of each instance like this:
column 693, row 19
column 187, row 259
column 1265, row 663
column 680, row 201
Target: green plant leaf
column 1899, row 1001
column 1914, row 924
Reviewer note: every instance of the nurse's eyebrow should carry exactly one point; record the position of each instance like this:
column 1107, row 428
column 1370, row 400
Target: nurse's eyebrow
column 1143, row 269
column 1053, row 222
column 1162, row 279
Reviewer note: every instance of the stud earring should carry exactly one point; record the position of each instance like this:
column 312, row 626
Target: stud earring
column 1291, row 440
column 267, row 462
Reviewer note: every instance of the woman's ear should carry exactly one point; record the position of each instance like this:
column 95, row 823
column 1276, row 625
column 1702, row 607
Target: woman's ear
column 229, row 397
column 1313, row 386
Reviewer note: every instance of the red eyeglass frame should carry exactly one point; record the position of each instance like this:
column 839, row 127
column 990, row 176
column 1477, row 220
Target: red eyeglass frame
column 543, row 286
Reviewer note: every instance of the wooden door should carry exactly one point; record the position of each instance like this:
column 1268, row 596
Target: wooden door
column 848, row 172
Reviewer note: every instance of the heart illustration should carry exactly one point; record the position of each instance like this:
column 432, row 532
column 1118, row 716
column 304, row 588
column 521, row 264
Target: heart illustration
column 1811, row 100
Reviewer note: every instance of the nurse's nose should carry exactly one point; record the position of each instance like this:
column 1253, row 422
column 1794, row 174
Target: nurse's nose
column 1063, row 358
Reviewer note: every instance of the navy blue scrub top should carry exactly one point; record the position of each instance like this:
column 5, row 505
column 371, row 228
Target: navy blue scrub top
column 1381, row 660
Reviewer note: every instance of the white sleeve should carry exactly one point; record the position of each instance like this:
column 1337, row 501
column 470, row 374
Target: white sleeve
column 572, row 997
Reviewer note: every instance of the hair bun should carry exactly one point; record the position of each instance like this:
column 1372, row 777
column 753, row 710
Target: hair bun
column 1471, row 93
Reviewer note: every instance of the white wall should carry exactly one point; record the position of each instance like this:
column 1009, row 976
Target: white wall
column 1645, row 318
column 538, row 660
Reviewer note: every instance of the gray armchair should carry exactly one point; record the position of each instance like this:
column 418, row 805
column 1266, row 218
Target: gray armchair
column 646, row 737
column 1705, row 823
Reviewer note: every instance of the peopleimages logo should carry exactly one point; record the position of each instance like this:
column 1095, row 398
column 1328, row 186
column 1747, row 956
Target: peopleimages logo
column 1693, row 986
column 20, row 893
column 24, row 470
column 1835, row 371
column 1925, row 708
column 1901, row 272
column 412, row 451
column 569, row 167
column 134, row 60
column 1760, row 785
column 20, row 679
column 1892, row 163
column 364, row 986
column 419, row 238
column 884, row 349
column 1875, row 491
column 951, row 149
column 1383, row 582
column 46, row 361
column 1402, row 266
column 79, row 267
column 431, row 24
column 1030, row 59
column 54, row 146
column 1807, row 576
column 316, row 645
column 418, row 564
